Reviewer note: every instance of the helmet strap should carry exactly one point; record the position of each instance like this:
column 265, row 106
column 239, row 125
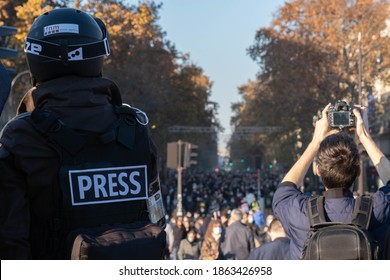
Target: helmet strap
column 64, row 51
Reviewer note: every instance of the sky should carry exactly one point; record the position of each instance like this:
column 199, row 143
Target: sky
column 216, row 34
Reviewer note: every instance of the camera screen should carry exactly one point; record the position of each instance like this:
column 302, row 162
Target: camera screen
column 341, row 118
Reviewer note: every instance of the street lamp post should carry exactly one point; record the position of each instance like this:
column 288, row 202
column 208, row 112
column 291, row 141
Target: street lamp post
column 359, row 69
column 358, row 101
column 179, row 180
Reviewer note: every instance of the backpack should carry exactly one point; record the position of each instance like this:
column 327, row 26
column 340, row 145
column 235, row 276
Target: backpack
column 105, row 207
column 340, row 241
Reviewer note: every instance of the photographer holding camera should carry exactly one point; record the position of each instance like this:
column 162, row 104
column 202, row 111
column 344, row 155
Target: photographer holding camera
column 337, row 162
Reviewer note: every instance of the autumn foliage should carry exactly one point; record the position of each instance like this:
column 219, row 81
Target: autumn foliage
column 150, row 72
column 307, row 58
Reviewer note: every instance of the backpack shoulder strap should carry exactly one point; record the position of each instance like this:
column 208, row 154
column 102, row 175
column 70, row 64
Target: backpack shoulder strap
column 361, row 214
column 315, row 210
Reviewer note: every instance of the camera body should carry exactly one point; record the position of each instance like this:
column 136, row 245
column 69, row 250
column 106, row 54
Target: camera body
column 341, row 115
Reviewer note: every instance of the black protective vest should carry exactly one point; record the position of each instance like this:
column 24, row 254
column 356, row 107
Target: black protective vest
column 103, row 179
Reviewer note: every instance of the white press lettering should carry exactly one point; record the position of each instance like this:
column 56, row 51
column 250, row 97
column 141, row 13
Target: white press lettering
column 85, row 184
column 108, row 185
column 122, row 182
column 135, row 182
column 112, row 184
column 99, row 181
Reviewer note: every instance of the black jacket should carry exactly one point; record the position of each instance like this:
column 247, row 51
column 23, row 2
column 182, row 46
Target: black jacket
column 279, row 249
column 29, row 166
column 238, row 242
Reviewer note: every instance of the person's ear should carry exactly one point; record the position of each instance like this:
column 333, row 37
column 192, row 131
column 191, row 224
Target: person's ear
column 317, row 171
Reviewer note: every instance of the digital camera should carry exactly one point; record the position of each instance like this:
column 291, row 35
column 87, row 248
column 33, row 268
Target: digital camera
column 341, row 116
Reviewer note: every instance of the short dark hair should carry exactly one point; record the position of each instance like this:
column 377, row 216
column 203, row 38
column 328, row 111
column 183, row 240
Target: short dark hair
column 338, row 161
column 276, row 226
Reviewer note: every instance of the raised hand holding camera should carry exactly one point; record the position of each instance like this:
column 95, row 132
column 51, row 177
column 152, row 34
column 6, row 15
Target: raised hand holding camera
column 341, row 115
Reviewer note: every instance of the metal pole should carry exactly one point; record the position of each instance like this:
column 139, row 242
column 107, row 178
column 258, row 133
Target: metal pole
column 358, row 101
column 258, row 184
column 360, row 69
column 179, row 181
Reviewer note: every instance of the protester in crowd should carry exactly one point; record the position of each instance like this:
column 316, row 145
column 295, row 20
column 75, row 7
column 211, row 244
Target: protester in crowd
column 239, row 240
column 178, row 234
column 187, row 223
column 189, row 248
column 269, row 219
column 254, row 228
column 245, row 218
column 225, row 215
column 263, row 235
column 211, row 249
column 170, row 236
column 198, row 226
column 277, row 249
column 258, row 215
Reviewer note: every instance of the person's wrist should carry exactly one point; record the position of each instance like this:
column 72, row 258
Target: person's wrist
column 365, row 139
column 315, row 143
column 364, row 136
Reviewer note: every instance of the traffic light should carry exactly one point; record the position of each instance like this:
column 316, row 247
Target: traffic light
column 190, row 154
column 172, row 155
column 181, row 154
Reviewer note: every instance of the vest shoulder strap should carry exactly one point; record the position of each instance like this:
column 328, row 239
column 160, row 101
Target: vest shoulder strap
column 50, row 125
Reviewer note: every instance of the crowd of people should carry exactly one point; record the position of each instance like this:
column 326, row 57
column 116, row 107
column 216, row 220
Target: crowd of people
column 224, row 218
column 212, row 237
column 202, row 191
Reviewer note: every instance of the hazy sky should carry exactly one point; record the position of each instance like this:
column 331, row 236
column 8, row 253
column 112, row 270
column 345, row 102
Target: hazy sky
column 217, row 34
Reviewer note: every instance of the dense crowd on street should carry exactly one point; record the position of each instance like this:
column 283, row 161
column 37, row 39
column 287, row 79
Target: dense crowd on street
column 224, row 215
column 229, row 190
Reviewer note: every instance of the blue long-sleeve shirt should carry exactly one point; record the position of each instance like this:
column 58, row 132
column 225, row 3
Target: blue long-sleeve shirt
column 290, row 207
column 279, row 249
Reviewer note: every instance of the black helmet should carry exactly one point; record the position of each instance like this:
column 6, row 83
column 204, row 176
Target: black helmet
column 66, row 41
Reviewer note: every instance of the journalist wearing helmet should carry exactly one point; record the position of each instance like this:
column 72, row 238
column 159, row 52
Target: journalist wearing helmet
column 51, row 181
column 337, row 162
